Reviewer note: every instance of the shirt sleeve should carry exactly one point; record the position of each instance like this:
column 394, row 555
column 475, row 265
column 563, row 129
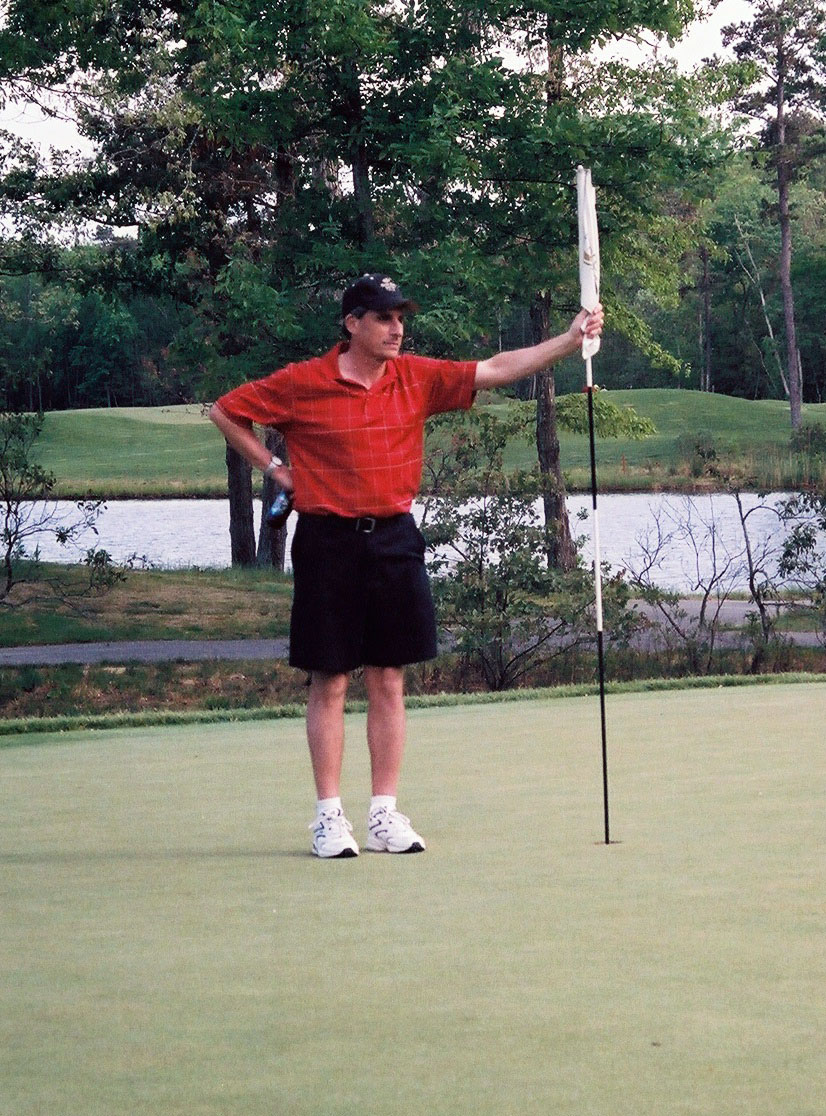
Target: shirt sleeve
column 265, row 401
column 451, row 385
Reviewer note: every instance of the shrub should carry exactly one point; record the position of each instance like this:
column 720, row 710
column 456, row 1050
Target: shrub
column 810, row 438
column 699, row 449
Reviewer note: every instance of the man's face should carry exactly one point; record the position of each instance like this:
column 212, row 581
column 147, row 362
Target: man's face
column 378, row 334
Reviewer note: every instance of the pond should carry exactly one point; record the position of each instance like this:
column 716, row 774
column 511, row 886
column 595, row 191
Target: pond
column 175, row 534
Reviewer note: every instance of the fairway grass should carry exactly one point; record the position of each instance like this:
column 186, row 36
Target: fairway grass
column 169, row 946
column 175, row 451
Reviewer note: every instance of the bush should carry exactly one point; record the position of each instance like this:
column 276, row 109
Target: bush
column 508, row 610
column 699, row 449
column 810, row 438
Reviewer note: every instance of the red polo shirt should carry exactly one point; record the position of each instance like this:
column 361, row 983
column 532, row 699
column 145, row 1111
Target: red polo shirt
column 353, row 450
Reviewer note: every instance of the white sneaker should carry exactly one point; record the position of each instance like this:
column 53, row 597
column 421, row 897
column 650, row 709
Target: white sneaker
column 332, row 835
column 390, row 831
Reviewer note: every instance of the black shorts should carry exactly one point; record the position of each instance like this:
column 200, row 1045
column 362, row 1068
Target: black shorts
column 361, row 596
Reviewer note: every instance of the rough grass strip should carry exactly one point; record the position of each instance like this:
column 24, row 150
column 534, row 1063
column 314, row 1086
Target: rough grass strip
column 26, row 726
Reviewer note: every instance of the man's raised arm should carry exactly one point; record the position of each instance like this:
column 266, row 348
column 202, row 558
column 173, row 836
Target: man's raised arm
column 506, row 368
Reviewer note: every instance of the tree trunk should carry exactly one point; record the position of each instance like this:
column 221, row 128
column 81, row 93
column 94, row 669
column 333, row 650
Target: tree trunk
column 705, row 331
column 783, row 179
column 792, row 359
column 561, row 549
column 241, row 532
column 359, row 161
column 272, row 544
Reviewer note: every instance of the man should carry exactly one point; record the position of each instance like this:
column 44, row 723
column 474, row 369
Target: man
column 353, row 421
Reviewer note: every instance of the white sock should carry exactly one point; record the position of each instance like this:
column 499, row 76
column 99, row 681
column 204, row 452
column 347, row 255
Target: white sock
column 327, row 805
column 388, row 801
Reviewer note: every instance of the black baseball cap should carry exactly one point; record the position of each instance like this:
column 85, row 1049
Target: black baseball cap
column 375, row 292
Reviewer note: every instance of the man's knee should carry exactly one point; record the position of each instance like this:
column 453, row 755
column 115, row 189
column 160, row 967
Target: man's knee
column 384, row 683
column 328, row 687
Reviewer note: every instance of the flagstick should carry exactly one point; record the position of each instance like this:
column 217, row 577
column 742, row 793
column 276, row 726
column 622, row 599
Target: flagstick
column 589, row 384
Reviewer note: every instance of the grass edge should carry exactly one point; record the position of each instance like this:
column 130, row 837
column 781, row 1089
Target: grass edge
column 30, row 726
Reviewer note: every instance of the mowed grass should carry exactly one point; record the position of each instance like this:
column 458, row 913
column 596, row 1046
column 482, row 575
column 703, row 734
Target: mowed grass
column 134, row 451
column 176, row 451
column 169, row 945
column 753, row 433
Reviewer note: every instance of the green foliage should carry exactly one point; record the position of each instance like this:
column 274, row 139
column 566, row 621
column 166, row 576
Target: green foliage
column 264, row 156
column 610, row 419
column 23, row 482
column 785, row 44
column 66, row 344
column 809, row 438
column 505, row 609
column 735, row 234
column 700, row 449
column 27, row 511
column 803, row 559
column 21, row 477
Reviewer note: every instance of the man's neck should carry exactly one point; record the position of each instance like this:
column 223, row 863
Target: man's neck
column 360, row 367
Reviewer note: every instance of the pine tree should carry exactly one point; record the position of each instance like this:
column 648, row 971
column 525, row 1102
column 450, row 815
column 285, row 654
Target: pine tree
column 785, row 43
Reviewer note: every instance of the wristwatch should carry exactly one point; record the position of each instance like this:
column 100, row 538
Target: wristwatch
column 274, row 463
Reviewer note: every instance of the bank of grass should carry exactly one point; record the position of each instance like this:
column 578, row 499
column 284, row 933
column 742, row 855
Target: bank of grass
column 175, row 451
column 171, row 947
column 749, row 437
column 75, row 690
column 35, row 699
column 147, row 604
column 139, row 452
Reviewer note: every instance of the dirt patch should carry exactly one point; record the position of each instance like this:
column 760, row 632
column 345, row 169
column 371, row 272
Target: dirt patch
column 73, row 689
column 151, row 604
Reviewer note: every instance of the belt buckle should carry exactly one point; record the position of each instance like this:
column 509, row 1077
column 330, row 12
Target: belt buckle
column 366, row 524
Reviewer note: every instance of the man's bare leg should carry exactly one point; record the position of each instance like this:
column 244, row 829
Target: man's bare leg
column 387, row 829
column 325, row 731
column 332, row 832
column 385, row 726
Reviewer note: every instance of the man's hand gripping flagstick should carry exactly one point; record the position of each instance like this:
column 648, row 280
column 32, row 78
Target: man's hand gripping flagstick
column 589, row 299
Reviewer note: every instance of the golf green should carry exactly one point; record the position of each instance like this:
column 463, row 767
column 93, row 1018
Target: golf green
column 169, row 946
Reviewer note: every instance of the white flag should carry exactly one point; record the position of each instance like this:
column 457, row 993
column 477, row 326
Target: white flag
column 588, row 251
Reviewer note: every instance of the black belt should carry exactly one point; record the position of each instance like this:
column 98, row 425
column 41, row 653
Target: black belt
column 362, row 525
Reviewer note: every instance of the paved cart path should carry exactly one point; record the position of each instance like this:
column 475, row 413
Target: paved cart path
column 733, row 616
column 144, row 651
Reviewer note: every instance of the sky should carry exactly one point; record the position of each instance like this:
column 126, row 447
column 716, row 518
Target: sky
column 701, row 41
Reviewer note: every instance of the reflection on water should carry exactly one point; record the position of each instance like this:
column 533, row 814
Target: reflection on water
column 177, row 534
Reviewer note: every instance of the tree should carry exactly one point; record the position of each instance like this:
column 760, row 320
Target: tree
column 726, row 326
column 26, row 512
column 264, row 156
column 803, row 561
column 786, row 44
column 23, row 481
column 505, row 608
column 500, row 590
column 65, row 342
column 532, row 209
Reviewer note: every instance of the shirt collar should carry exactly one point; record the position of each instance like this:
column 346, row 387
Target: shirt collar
column 331, row 363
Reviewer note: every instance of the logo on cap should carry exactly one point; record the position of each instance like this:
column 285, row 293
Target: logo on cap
column 375, row 292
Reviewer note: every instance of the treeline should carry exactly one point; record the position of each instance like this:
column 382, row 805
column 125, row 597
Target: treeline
column 262, row 156
column 724, row 322
column 66, row 344
column 63, row 347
